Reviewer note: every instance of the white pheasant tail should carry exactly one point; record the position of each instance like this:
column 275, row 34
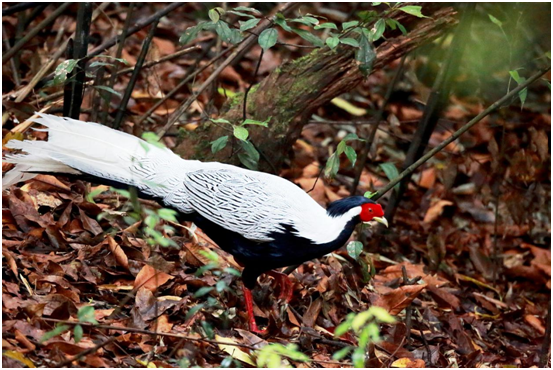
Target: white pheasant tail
column 253, row 204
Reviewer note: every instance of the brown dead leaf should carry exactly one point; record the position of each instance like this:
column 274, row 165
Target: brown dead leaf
column 90, row 224
column 310, row 316
column 54, row 183
column 535, row 323
column 408, row 363
column 149, row 278
column 435, row 210
column 396, row 300
column 428, row 178
column 118, row 252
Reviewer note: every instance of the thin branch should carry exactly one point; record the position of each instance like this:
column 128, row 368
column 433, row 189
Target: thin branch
column 247, row 43
column 37, row 78
column 88, row 351
column 18, row 8
column 32, row 33
column 140, row 61
column 181, row 84
column 364, row 155
column 118, row 53
column 409, row 170
column 149, row 332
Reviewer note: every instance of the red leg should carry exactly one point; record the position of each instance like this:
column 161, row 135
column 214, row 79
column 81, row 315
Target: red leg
column 286, row 286
column 249, row 307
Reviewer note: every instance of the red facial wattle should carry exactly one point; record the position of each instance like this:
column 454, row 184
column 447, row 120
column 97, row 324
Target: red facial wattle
column 369, row 211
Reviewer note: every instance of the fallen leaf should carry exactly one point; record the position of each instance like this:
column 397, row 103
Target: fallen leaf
column 118, row 252
column 233, row 350
column 435, row 210
column 396, row 300
column 408, row 363
column 535, row 323
column 19, row 357
column 310, row 316
column 149, row 278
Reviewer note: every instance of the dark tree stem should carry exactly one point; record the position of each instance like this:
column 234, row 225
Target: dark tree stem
column 134, row 77
column 436, row 103
column 365, row 152
column 84, row 18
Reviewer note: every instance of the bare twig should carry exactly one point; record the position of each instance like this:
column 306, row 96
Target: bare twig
column 32, row 33
column 364, row 155
column 80, row 355
column 140, row 61
column 18, row 8
column 118, row 54
column 149, row 332
column 246, row 44
column 13, row 66
column 84, row 18
column 409, row 170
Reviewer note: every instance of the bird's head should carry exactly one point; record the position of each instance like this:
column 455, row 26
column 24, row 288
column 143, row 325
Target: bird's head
column 358, row 206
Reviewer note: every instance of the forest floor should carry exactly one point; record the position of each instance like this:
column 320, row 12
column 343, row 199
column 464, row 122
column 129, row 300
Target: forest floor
column 465, row 267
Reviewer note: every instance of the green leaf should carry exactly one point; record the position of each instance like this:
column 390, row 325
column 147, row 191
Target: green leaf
column 369, row 194
column 413, row 10
column 332, row 42
column 309, row 37
column 241, row 14
column 255, row 122
column 392, row 23
column 190, row 34
column 523, row 94
column 100, row 64
column 219, row 120
column 77, row 333
column 391, row 171
column 342, row 329
column 341, row 147
column 202, row 291
column 219, row 144
column 358, row 358
column 220, row 286
column 90, row 196
column 365, row 55
column 168, row 214
column 54, row 333
column 340, row 354
column 349, row 41
column 282, row 23
column 108, row 89
column 351, row 136
column 215, row 14
column 63, row 69
column 379, row 29
column 351, row 154
column 226, row 34
column 246, row 9
column 495, row 21
column 268, row 38
column 349, row 24
column 250, row 157
column 153, row 139
column 332, row 166
column 244, row 26
column 327, row 25
column 191, row 312
column 120, row 60
column 354, row 249
column 382, row 315
column 240, row 132
column 86, row 314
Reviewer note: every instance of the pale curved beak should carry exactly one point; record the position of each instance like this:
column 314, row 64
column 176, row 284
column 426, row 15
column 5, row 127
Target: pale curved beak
column 381, row 220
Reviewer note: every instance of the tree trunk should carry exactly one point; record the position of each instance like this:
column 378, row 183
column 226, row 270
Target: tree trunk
column 291, row 93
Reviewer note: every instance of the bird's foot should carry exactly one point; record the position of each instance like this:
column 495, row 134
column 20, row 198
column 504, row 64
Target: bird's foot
column 249, row 307
column 286, row 286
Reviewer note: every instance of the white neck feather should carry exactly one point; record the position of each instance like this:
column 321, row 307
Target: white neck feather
column 323, row 228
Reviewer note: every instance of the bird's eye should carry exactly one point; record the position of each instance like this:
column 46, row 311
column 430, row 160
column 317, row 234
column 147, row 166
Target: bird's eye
column 370, row 210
